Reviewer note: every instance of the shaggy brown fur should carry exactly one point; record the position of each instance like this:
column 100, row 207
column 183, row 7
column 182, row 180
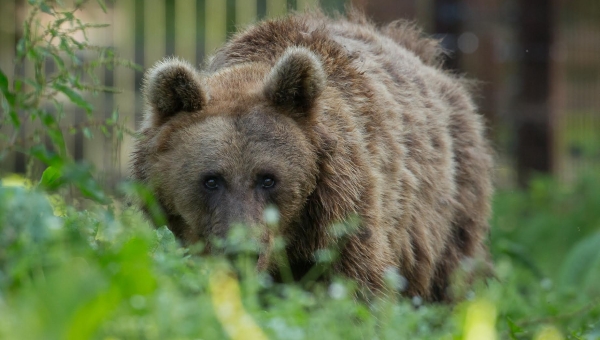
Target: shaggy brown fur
column 345, row 119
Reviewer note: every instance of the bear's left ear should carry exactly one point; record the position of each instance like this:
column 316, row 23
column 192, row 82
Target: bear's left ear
column 170, row 87
column 296, row 81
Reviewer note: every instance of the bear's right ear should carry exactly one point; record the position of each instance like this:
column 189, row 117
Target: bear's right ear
column 170, row 87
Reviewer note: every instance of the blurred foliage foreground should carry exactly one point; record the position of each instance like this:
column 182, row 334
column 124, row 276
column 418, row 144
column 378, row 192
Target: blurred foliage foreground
column 99, row 271
column 106, row 273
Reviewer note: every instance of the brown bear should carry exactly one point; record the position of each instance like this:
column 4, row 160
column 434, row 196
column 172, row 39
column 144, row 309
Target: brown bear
column 325, row 119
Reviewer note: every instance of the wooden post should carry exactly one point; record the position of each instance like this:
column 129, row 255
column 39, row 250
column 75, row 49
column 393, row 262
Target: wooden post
column 8, row 42
column 533, row 112
column 448, row 26
column 479, row 60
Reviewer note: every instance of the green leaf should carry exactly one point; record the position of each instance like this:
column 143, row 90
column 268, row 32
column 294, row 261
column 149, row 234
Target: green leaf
column 59, row 141
column 14, row 118
column 582, row 266
column 65, row 47
column 40, row 152
column 69, row 16
column 80, row 175
column 51, row 178
column 57, row 59
column 37, row 86
column 46, row 9
column 10, row 97
column 87, row 133
column 145, row 198
column 104, row 131
column 102, row 5
column 21, row 47
column 74, row 97
column 513, row 328
column 91, row 316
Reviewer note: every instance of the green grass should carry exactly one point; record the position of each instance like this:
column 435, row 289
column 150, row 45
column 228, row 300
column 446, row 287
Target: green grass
column 105, row 273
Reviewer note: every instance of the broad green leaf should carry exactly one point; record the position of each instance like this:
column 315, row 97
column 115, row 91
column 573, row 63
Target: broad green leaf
column 582, row 264
column 51, row 178
column 74, row 97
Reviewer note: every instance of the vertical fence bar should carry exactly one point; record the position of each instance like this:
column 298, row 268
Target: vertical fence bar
column 292, row 5
column 304, row 5
column 139, row 51
column 124, row 28
column 245, row 12
column 7, row 38
column 533, row 123
column 95, row 150
column 338, row 6
column 154, row 32
column 230, row 16
column 108, row 101
column 424, row 14
column 448, row 24
column 170, row 36
column 261, row 9
column 25, row 164
column 185, row 30
column 200, row 31
column 7, row 56
column 215, row 15
column 276, row 8
column 20, row 14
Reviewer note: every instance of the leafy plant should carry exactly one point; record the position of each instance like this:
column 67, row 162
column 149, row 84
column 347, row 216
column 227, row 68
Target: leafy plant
column 55, row 39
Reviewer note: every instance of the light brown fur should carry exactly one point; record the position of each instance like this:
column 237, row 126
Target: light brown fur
column 349, row 119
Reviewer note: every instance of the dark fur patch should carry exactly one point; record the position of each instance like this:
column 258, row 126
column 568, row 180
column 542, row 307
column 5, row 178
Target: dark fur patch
column 170, row 87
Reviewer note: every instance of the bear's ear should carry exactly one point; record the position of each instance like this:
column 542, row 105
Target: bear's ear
column 295, row 82
column 170, row 87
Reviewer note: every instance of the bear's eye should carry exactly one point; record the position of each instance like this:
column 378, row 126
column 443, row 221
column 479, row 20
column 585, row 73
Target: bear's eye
column 211, row 183
column 268, row 182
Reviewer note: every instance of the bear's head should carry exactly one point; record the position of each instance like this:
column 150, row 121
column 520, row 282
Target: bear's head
column 218, row 149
